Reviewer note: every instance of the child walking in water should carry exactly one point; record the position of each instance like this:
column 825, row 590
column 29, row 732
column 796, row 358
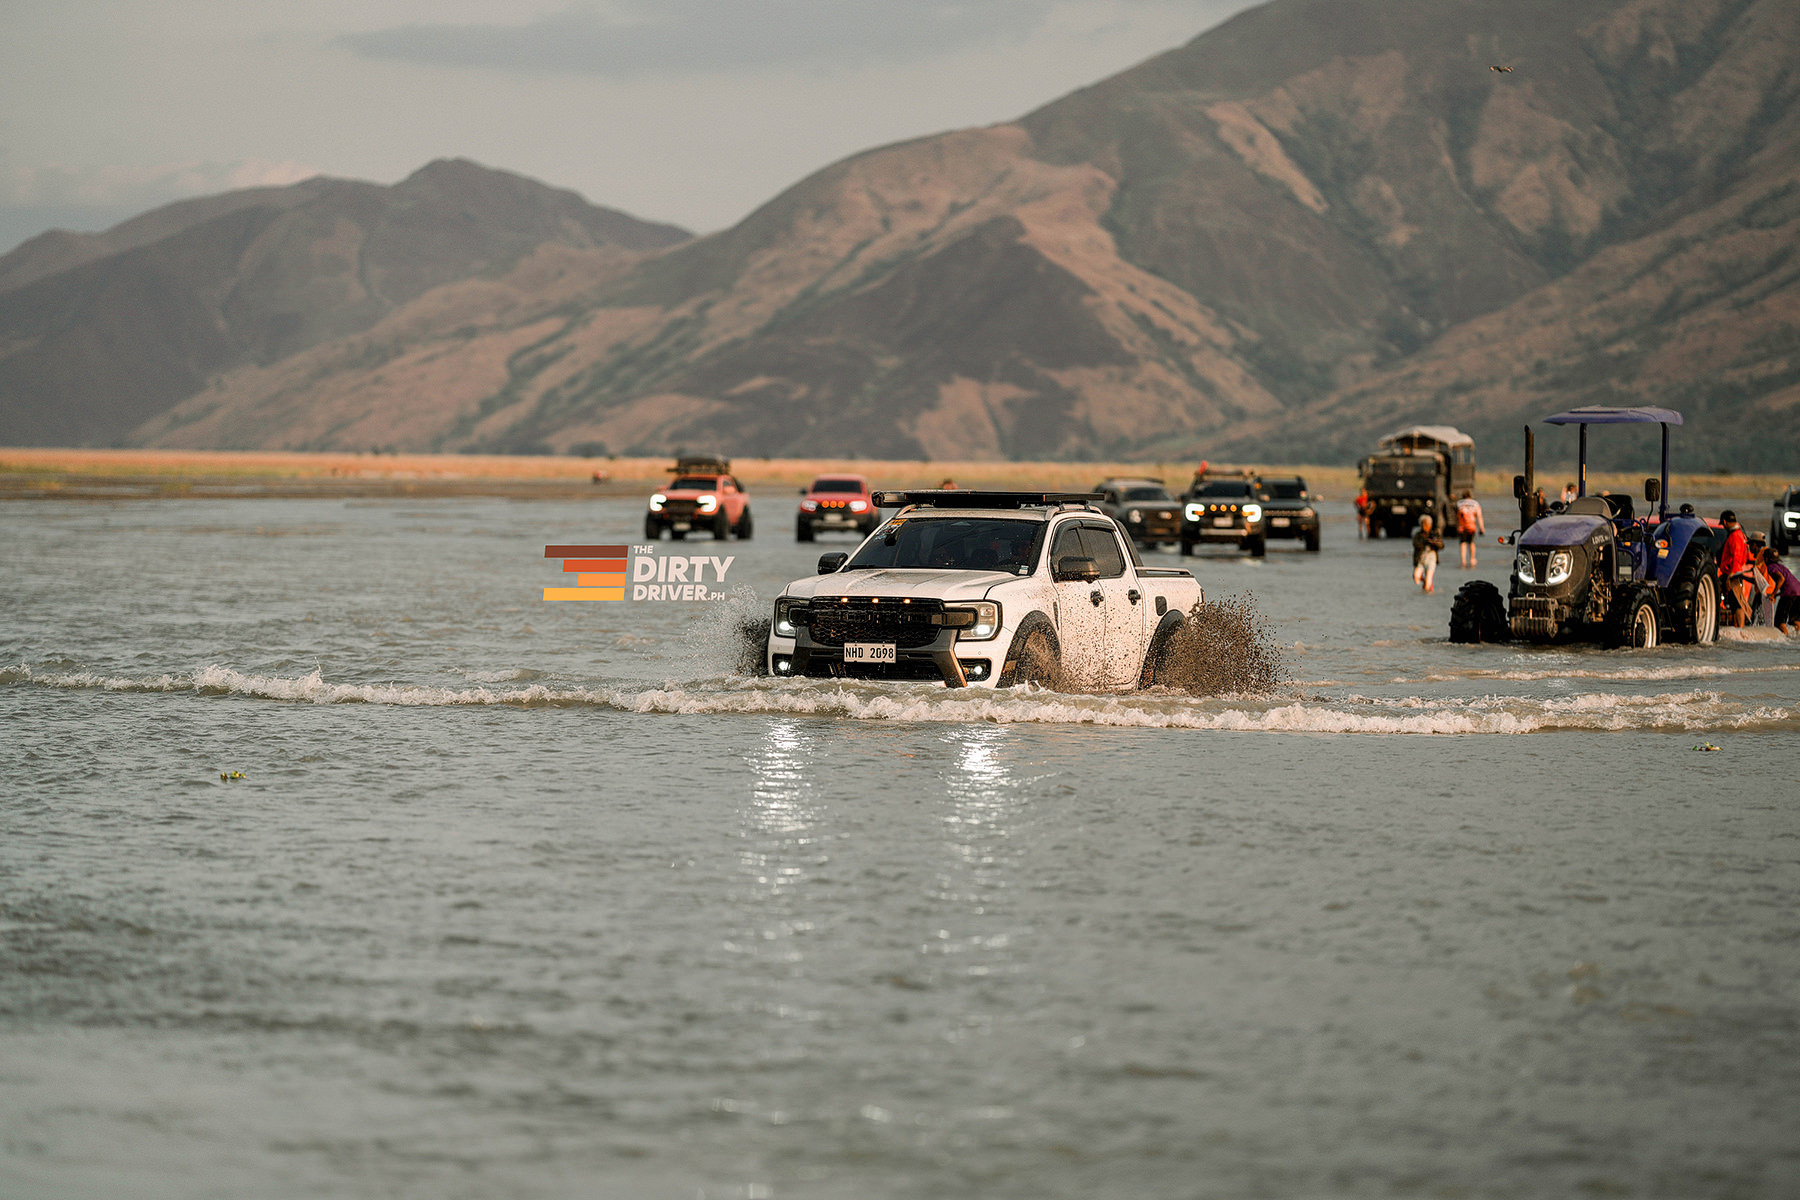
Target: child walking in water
column 1426, row 544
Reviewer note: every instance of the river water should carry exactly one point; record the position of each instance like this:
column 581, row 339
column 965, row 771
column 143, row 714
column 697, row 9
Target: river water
column 539, row 900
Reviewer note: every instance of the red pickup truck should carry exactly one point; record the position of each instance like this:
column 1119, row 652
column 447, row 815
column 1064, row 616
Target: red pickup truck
column 836, row 502
column 702, row 496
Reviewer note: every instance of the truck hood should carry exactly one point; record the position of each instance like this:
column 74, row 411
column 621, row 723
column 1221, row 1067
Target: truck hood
column 927, row 584
column 1564, row 530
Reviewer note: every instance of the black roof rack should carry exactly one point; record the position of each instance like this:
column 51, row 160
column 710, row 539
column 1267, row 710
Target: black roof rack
column 701, row 463
column 958, row 498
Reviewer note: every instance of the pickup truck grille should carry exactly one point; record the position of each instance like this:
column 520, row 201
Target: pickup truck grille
column 909, row 625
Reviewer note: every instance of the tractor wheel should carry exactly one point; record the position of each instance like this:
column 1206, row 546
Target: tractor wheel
column 1693, row 600
column 745, row 526
column 1478, row 614
column 1634, row 623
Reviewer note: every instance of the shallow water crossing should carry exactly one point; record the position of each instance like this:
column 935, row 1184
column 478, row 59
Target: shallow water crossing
column 532, row 899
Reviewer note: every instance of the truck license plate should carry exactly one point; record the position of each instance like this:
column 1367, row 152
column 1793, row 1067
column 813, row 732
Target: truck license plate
column 1222, row 522
column 869, row 652
column 1279, row 522
column 1399, row 508
column 681, row 527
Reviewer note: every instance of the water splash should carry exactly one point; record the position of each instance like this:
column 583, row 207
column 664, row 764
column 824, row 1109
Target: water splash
column 1225, row 647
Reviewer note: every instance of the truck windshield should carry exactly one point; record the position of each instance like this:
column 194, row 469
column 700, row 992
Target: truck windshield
column 694, row 483
column 1403, row 466
column 1147, row 493
column 1233, row 490
column 1281, row 489
column 852, row 486
column 953, row 544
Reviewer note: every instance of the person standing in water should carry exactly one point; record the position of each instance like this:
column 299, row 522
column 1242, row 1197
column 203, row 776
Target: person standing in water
column 1426, row 544
column 1734, row 569
column 1469, row 523
column 1784, row 592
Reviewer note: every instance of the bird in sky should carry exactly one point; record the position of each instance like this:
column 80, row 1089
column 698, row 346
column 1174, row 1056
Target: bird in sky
column 1502, row 70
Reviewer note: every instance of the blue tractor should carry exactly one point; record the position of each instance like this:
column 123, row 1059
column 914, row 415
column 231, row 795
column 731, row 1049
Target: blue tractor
column 1593, row 570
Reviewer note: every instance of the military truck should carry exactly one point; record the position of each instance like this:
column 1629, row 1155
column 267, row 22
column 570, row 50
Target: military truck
column 1421, row 469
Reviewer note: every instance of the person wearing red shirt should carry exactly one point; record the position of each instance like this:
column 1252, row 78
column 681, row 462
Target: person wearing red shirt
column 1734, row 568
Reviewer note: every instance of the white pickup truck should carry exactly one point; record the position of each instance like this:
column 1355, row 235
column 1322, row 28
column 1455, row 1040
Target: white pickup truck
column 985, row 589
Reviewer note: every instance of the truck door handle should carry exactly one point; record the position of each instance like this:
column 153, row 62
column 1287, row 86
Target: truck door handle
column 1095, row 597
column 1135, row 595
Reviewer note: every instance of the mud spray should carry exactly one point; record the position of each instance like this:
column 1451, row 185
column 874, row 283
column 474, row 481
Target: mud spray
column 1224, row 647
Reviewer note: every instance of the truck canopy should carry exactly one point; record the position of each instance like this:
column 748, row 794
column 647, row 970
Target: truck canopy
column 1427, row 437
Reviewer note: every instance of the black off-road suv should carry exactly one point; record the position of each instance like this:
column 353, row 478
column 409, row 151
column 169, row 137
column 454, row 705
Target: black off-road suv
column 1224, row 508
column 1288, row 509
column 1144, row 507
column 1784, row 522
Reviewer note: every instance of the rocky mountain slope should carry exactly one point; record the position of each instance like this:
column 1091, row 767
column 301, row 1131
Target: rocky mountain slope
column 100, row 333
column 1321, row 219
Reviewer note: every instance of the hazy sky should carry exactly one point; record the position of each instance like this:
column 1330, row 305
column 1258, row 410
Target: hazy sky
column 691, row 111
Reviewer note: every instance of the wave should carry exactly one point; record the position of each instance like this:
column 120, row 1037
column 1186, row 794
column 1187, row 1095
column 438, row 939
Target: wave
column 1617, row 675
column 1687, row 711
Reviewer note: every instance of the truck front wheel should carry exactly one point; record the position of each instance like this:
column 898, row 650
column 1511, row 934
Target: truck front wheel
column 1034, row 658
column 652, row 530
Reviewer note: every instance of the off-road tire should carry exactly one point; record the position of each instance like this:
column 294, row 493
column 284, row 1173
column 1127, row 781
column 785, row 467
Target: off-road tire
column 1692, row 602
column 1257, row 546
column 1396, row 529
column 678, row 535
column 1155, row 672
column 1187, row 548
column 1634, row 622
column 803, row 530
column 1035, row 658
column 745, row 526
column 1478, row 614
column 652, row 530
column 1312, row 542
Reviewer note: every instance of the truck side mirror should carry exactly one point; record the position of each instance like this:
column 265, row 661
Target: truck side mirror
column 830, row 564
column 1518, row 487
column 1075, row 566
column 1652, row 490
column 803, row 491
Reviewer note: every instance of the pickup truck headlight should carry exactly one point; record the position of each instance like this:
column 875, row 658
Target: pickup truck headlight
column 1307, row 512
column 1562, row 565
column 858, row 505
column 1791, row 520
column 1522, row 568
column 657, row 501
column 708, row 503
column 983, row 617
column 784, row 616
column 1134, row 516
column 1193, row 512
column 1252, row 513
column 809, row 506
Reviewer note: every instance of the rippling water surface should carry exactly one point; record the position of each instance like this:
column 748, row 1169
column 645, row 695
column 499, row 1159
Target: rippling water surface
column 526, row 899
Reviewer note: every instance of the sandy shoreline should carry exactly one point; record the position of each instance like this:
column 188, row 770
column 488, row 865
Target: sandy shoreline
column 52, row 473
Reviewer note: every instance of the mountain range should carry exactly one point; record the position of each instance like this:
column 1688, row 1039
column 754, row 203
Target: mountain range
column 1313, row 223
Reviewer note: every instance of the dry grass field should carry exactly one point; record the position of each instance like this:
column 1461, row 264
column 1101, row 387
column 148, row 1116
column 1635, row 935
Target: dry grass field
column 47, row 472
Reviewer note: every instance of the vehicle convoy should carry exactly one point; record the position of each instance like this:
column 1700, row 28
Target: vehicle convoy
column 1224, row 508
column 1288, row 509
column 987, row 589
column 702, row 496
column 1595, row 571
column 1414, row 472
column 835, row 504
column 1784, row 522
column 1150, row 515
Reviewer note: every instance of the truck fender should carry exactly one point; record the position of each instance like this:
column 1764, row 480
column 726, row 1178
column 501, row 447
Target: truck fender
column 1683, row 533
column 1159, row 647
column 1033, row 622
